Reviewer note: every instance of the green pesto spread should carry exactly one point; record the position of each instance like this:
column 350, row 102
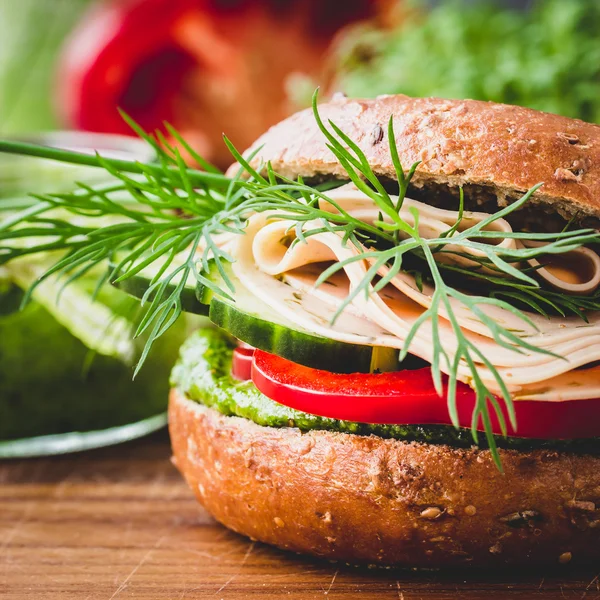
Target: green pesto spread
column 203, row 374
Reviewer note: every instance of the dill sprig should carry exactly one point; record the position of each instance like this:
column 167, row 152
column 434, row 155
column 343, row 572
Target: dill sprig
column 170, row 214
column 539, row 299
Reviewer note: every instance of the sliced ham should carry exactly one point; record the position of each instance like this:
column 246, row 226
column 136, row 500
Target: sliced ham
column 282, row 274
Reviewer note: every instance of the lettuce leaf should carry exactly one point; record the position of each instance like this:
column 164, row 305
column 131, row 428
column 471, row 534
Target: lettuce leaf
column 546, row 58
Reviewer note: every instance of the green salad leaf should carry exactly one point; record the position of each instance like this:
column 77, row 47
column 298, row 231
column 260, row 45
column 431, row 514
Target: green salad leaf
column 547, row 58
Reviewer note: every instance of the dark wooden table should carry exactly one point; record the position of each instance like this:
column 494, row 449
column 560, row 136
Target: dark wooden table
column 121, row 523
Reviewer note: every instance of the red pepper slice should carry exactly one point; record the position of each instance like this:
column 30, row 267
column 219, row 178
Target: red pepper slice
column 241, row 365
column 409, row 398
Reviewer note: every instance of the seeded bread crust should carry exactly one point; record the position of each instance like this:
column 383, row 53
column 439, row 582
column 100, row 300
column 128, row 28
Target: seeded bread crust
column 495, row 150
column 379, row 501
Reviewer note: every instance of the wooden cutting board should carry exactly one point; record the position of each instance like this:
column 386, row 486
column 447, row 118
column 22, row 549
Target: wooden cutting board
column 121, row 523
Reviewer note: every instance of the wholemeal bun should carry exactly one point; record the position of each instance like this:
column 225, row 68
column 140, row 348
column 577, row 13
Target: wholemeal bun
column 496, row 151
column 365, row 499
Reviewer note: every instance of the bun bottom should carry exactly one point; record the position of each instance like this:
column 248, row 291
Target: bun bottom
column 379, row 501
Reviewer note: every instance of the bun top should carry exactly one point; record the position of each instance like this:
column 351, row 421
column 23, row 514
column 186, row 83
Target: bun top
column 496, row 151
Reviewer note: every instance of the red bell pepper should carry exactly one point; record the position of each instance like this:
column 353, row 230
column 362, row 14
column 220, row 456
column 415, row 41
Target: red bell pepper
column 407, row 398
column 207, row 66
column 241, row 365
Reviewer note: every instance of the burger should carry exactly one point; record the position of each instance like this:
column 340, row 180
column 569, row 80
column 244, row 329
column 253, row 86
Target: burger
column 351, row 468
column 403, row 361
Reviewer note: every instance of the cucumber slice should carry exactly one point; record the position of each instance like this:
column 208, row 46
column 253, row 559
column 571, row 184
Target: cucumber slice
column 138, row 285
column 249, row 320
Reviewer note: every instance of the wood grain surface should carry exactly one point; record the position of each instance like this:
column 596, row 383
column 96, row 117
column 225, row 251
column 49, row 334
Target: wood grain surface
column 121, row 523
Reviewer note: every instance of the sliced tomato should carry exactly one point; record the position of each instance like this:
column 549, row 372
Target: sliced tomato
column 409, row 398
